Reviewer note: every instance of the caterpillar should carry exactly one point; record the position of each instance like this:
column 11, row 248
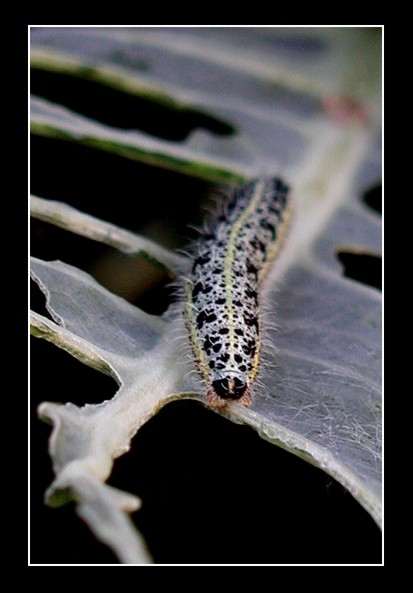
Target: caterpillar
column 222, row 291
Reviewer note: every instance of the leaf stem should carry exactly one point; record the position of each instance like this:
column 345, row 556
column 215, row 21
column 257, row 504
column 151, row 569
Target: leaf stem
column 71, row 219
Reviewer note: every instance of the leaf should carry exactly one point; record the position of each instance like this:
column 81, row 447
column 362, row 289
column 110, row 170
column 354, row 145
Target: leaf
column 71, row 219
column 264, row 101
column 321, row 398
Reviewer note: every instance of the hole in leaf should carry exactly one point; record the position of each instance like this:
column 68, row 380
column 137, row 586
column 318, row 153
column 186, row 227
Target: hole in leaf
column 138, row 281
column 38, row 300
column 157, row 299
column 57, row 376
column 159, row 204
column 363, row 267
column 49, row 242
column 121, row 109
column 373, row 197
column 132, row 278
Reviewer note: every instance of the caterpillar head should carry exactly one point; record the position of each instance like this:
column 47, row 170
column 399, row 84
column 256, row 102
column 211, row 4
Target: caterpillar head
column 231, row 386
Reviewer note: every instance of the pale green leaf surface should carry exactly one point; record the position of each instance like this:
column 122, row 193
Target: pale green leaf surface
column 82, row 306
column 285, row 69
column 268, row 109
column 321, row 397
column 327, row 374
